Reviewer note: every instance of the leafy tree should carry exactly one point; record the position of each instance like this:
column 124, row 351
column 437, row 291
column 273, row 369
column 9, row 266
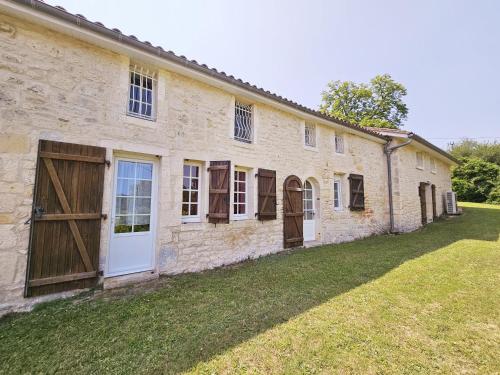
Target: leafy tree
column 474, row 179
column 468, row 148
column 377, row 104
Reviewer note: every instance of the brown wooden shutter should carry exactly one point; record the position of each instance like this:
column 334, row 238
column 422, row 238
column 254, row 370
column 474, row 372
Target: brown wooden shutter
column 293, row 213
column 267, row 194
column 66, row 218
column 357, row 192
column 218, row 207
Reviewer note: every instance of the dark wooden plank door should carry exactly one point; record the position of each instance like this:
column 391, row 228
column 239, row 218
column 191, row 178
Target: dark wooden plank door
column 434, row 207
column 66, row 219
column 293, row 212
column 423, row 202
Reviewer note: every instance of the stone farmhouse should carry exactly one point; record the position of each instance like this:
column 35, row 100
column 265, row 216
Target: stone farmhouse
column 121, row 161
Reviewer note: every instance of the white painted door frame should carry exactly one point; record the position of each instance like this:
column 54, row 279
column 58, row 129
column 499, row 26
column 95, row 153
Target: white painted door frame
column 134, row 251
column 309, row 198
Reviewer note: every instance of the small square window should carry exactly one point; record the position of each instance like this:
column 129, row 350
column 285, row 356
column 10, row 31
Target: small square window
column 141, row 100
column 243, row 124
column 310, row 135
column 420, row 160
column 433, row 165
column 339, row 144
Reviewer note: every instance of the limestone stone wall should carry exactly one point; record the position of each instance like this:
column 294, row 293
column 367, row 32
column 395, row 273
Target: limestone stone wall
column 59, row 88
column 407, row 178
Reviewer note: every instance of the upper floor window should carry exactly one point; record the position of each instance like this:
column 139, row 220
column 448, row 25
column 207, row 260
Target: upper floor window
column 191, row 192
column 141, row 100
column 433, row 165
column 240, row 202
column 339, row 144
column 243, row 124
column 420, row 160
column 310, row 135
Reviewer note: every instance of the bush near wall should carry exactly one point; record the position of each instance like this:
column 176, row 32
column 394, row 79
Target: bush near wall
column 477, row 180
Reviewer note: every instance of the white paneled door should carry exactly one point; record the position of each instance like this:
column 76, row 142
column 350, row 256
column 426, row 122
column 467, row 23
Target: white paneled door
column 309, row 212
column 134, row 210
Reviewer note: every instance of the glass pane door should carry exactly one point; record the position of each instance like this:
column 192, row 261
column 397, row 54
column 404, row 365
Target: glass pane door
column 308, row 201
column 133, row 196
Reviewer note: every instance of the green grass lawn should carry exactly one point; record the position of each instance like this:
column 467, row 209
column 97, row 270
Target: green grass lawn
column 423, row 302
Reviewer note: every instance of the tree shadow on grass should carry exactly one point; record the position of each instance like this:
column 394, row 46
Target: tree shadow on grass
column 192, row 318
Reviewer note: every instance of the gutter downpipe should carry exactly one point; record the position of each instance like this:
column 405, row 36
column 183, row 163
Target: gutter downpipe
column 388, row 150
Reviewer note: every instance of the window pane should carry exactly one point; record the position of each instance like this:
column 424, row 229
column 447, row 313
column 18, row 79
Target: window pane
column 143, row 188
column 185, row 183
column 194, row 171
column 123, row 224
column 126, row 169
column 135, row 109
column 186, row 170
column 137, row 79
column 308, row 204
column 185, row 196
column 194, row 209
column 185, row 209
column 145, row 171
column 241, row 186
column 141, row 223
column 142, row 205
column 242, row 208
column 194, row 184
column 149, row 83
column 136, row 93
column 125, row 187
column 124, row 206
column 194, row 196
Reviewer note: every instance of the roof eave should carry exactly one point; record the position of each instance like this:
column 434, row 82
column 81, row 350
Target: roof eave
column 80, row 26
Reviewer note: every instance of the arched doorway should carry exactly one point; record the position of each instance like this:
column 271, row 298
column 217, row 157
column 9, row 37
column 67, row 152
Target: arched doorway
column 293, row 212
column 309, row 197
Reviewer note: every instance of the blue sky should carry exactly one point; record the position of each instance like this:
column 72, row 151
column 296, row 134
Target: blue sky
column 446, row 53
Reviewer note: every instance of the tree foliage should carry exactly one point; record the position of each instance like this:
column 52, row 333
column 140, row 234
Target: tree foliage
column 468, row 148
column 476, row 180
column 377, row 104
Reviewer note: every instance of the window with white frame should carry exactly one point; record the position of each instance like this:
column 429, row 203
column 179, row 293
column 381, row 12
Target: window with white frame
column 310, row 135
column 433, row 165
column 339, row 144
column 240, row 201
column 191, row 192
column 337, row 193
column 243, row 124
column 141, row 100
column 420, row 160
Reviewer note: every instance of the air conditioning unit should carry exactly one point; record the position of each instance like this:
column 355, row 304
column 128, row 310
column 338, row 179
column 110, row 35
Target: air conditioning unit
column 451, row 203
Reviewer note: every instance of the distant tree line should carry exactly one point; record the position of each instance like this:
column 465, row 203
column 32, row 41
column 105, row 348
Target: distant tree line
column 477, row 178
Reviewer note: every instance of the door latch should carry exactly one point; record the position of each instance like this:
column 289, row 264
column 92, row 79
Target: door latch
column 39, row 211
